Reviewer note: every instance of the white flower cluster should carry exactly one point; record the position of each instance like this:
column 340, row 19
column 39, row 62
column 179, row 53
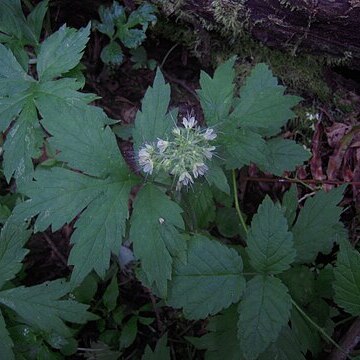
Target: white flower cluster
column 184, row 156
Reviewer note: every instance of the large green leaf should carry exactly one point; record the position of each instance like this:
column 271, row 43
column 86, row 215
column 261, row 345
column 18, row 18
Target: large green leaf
column 283, row 155
column 347, row 279
column 12, row 239
column 22, row 144
column 155, row 224
column 58, row 195
column 61, row 52
column 6, row 344
column 264, row 310
column 270, row 244
column 263, row 107
column 41, row 305
column 210, row 281
column 317, row 225
column 216, row 93
column 152, row 121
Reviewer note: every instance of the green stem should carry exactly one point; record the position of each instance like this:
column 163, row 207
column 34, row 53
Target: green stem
column 319, row 329
column 237, row 207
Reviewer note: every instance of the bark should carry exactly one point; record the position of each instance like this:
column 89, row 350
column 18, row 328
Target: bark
column 322, row 27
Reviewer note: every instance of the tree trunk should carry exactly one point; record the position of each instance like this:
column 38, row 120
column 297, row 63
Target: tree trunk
column 321, row 27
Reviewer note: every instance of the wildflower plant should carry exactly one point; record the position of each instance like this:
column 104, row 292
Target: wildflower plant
column 248, row 291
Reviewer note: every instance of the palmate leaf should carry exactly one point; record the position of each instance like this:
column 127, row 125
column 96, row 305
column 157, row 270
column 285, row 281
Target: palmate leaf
column 152, row 121
column 58, row 195
column 210, row 281
column 155, row 224
column 263, row 107
column 318, row 226
column 216, row 94
column 41, row 306
column 283, row 155
column 6, row 344
column 12, row 239
column 347, row 279
column 270, row 244
column 263, row 312
column 61, row 52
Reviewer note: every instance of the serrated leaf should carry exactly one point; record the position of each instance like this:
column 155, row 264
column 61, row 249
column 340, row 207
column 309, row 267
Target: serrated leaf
column 151, row 122
column 241, row 147
column 227, row 222
column 216, row 93
column 317, row 225
column 210, row 281
column 221, row 342
column 112, row 54
column 13, row 78
column 154, row 232
column 41, row 306
column 61, row 52
column 199, row 206
column 23, row 143
column 263, row 107
column 347, row 279
column 270, row 244
column 143, row 15
column 283, row 155
column 264, row 310
column 6, row 344
column 161, row 352
column 115, row 14
column 12, row 240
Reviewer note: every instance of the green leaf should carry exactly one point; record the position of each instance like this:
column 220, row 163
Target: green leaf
column 264, row 310
column 216, row 176
column 13, row 78
column 152, row 122
column 6, row 344
column 111, row 294
column 287, row 347
column 12, row 240
column 347, row 279
column 161, row 352
column 221, row 342
column 199, row 206
column 241, row 147
column 112, row 54
column 263, row 107
column 58, row 195
column 270, row 244
column 128, row 333
column 227, row 222
column 23, row 143
column 41, row 306
column 210, row 281
column 216, row 93
column 36, row 18
column 283, row 155
column 61, row 52
column 317, row 225
column 110, row 16
column 300, row 281
column 154, row 232
column 290, row 204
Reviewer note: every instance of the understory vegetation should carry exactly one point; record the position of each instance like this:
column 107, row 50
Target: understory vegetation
column 155, row 209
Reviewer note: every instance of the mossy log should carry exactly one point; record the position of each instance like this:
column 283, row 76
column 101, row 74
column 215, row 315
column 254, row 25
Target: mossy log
column 320, row 27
